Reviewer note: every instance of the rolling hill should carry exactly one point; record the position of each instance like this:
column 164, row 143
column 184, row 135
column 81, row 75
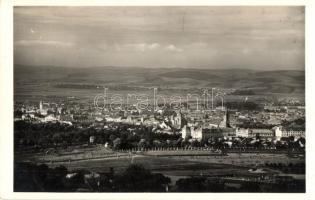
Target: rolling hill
column 35, row 80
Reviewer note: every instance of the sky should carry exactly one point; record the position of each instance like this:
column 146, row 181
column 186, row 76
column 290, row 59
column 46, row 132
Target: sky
column 211, row 37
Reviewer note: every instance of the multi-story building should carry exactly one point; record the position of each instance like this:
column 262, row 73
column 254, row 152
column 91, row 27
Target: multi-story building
column 242, row 132
column 280, row 132
column 263, row 133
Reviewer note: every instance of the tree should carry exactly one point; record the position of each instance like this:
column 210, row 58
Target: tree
column 142, row 143
column 194, row 184
column 112, row 137
column 138, row 179
column 117, row 143
column 38, row 178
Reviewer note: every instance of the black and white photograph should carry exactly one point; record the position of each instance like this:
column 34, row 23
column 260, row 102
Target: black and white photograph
column 159, row 99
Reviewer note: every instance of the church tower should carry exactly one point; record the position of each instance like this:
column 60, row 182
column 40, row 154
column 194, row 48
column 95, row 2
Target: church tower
column 225, row 123
column 40, row 106
column 227, row 118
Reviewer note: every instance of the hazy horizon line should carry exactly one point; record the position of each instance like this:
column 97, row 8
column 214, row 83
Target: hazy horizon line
column 156, row 68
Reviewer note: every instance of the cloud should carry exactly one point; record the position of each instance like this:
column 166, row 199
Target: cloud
column 250, row 37
column 43, row 42
column 154, row 46
column 173, row 48
column 144, row 46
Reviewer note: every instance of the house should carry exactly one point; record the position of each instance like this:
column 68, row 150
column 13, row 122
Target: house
column 263, row 133
column 242, row 132
column 280, row 132
column 197, row 132
column 185, row 131
column 50, row 118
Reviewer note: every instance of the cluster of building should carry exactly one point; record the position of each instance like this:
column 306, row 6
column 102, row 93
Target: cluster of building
column 224, row 129
column 46, row 112
column 195, row 124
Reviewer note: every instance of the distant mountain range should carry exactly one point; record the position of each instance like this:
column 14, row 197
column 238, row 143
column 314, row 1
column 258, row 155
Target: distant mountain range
column 262, row 82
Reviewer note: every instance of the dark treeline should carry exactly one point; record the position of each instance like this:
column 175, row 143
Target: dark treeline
column 297, row 124
column 126, row 137
column 250, row 106
column 202, row 184
column 290, row 168
column 29, row 177
column 94, row 86
column 38, row 178
column 46, row 135
column 243, row 92
column 254, row 125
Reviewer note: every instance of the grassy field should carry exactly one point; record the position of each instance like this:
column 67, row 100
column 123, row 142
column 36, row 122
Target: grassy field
column 171, row 163
column 167, row 166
